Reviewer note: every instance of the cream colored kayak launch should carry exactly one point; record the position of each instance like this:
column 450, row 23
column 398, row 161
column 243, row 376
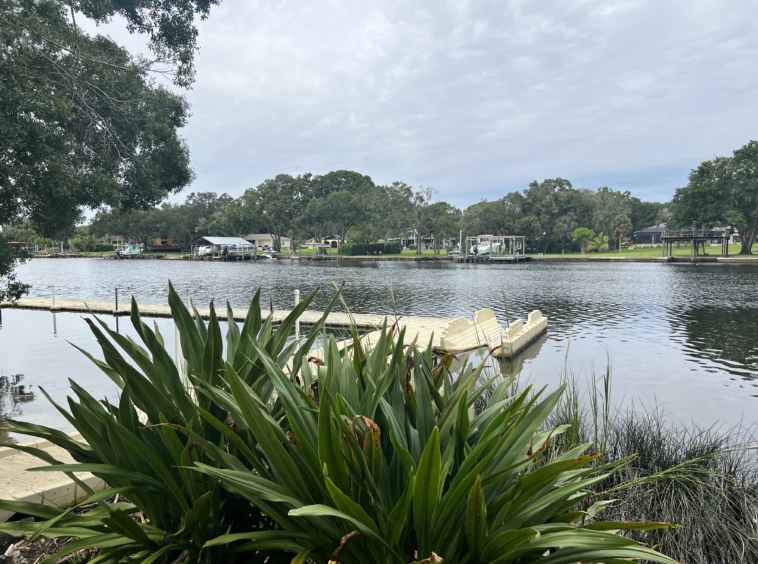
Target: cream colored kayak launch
column 483, row 330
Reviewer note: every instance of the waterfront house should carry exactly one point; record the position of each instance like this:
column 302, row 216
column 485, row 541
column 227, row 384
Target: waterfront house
column 650, row 236
column 165, row 244
column 262, row 240
column 332, row 240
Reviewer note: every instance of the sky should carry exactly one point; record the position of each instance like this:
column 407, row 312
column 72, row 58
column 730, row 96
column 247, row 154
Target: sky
column 474, row 98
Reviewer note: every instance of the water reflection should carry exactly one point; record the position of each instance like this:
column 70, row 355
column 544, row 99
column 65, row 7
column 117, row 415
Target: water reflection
column 721, row 336
column 13, row 394
column 514, row 366
column 505, row 366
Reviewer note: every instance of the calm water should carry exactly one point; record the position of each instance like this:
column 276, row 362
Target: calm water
column 679, row 335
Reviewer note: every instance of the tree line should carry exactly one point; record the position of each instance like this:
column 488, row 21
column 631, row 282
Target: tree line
column 350, row 206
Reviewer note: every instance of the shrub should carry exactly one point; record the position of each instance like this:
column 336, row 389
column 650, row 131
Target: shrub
column 360, row 249
column 393, row 248
column 99, row 248
column 368, row 455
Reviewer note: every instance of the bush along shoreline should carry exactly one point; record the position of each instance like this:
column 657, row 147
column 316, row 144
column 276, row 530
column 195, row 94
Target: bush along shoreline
column 262, row 452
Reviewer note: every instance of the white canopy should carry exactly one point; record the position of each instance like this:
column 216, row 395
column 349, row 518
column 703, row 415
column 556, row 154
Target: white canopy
column 237, row 241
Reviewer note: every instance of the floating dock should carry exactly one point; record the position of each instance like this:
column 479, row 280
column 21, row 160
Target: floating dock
column 335, row 320
column 446, row 334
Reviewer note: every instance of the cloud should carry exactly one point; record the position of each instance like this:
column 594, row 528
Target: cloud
column 476, row 98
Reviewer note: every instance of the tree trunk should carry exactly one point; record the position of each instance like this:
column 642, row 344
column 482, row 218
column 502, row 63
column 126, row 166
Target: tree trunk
column 748, row 238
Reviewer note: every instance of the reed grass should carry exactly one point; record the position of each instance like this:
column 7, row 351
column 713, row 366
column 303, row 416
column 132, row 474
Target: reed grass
column 703, row 478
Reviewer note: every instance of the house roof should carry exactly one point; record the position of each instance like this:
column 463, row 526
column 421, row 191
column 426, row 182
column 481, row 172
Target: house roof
column 654, row 229
column 225, row 240
column 255, row 236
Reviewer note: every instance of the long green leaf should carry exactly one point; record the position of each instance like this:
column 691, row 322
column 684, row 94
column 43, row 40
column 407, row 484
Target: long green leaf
column 426, row 492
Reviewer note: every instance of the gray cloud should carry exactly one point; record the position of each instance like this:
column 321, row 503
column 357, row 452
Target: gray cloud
column 476, row 98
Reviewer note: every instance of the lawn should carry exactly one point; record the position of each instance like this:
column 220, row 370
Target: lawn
column 713, row 250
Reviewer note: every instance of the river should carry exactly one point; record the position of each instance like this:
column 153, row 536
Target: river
column 679, row 336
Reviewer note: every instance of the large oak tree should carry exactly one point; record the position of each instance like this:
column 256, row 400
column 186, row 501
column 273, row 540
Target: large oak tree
column 721, row 192
column 83, row 123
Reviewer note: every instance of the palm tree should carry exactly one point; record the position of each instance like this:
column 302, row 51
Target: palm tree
column 599, row 243
column 621, row 226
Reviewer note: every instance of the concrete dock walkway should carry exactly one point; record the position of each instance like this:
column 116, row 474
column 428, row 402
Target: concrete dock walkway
column 335, row 320
column 51, row 488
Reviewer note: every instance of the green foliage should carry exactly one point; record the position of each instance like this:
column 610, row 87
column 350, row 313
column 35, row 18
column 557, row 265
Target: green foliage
column 583, row 236
column 704, row 479
column 393, row 248
column 370, row 456
column 338, row 213
column 721, row 192
column 541, row 208
column 379, row 454
column 599, row 243
column 10, row 255
column 498, row 217
column 202, row 213
column 83, row 125
column 82, row 122
column 621, row 226
column 360, row 249
column 169, row 24
column 278, row 202
column 421, row 202
column 445, row 223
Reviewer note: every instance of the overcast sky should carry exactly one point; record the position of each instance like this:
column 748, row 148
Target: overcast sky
column 474, row 98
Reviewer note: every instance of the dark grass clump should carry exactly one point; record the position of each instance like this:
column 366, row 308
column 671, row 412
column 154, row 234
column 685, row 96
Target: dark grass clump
column 704, row 479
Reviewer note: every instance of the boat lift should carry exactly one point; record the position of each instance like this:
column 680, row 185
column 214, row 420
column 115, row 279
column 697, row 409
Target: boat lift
column 495, row 248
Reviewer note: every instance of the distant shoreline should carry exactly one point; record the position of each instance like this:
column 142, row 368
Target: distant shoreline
column 604, row 257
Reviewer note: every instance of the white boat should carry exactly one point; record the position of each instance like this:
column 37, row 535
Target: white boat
column 127, row 251
column 484, row 250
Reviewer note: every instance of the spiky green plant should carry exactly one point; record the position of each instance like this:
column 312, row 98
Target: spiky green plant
column 134, row 448
column 355, row 455
column 377, row 457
